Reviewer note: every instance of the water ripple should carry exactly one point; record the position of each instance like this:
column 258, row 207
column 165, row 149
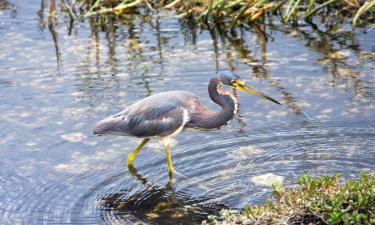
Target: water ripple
column 214, row 171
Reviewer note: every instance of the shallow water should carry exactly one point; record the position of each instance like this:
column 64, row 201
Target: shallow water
column 56, row 85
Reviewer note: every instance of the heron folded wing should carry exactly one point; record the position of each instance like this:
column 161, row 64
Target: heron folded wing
column 161, row 114
column 155, row 124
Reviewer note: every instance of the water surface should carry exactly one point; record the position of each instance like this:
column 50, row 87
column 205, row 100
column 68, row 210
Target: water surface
column 55, row 83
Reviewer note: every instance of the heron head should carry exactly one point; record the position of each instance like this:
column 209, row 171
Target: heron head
column 230, row 79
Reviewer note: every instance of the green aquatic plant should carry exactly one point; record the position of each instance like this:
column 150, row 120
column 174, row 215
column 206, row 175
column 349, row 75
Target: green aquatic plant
column 321, row 200
column 235, row 12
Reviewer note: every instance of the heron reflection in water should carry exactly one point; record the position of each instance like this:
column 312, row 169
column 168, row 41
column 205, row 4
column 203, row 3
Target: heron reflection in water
column 166, row 114
column 156, row 203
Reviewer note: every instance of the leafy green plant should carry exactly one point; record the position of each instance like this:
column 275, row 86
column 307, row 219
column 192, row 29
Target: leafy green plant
column 321, row 200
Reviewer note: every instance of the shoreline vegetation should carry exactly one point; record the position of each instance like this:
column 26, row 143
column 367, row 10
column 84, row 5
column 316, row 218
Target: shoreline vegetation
column 321, row 200
column 232, row 12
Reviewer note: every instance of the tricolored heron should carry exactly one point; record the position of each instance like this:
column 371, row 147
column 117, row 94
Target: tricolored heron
column 166, row 114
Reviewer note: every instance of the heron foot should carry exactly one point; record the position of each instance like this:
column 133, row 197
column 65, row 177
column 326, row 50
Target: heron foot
column 133, row 171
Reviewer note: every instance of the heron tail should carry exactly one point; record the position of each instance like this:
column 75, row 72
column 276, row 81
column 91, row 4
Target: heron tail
column 108, row 125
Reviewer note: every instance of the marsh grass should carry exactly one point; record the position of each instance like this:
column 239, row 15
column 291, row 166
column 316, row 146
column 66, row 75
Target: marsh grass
column 321, row 200
column 234, row 12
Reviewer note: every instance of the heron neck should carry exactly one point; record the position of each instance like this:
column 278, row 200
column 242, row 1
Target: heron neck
column 215, row 120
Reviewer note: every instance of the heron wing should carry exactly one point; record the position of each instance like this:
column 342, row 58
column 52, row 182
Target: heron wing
column 160, row 121
column 158, row 115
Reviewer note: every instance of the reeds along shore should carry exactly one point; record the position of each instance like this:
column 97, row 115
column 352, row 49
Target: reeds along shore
column 234, row 12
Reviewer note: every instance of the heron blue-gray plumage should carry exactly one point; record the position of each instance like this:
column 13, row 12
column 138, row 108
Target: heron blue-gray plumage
column 166, row 114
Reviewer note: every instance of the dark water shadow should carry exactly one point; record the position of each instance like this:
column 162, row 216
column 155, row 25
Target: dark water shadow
column 156, row 204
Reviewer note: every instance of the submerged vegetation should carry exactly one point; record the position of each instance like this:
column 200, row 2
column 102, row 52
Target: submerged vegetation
column 322, row 200
column 234, row 12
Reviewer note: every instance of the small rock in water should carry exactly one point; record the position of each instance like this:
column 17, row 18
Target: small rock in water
column 267, row 179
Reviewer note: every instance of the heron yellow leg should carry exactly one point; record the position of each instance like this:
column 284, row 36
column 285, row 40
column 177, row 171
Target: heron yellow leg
column 134, row 153
column 169, row 159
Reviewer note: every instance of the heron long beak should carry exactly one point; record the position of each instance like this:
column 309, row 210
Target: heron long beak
column 243, row 87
